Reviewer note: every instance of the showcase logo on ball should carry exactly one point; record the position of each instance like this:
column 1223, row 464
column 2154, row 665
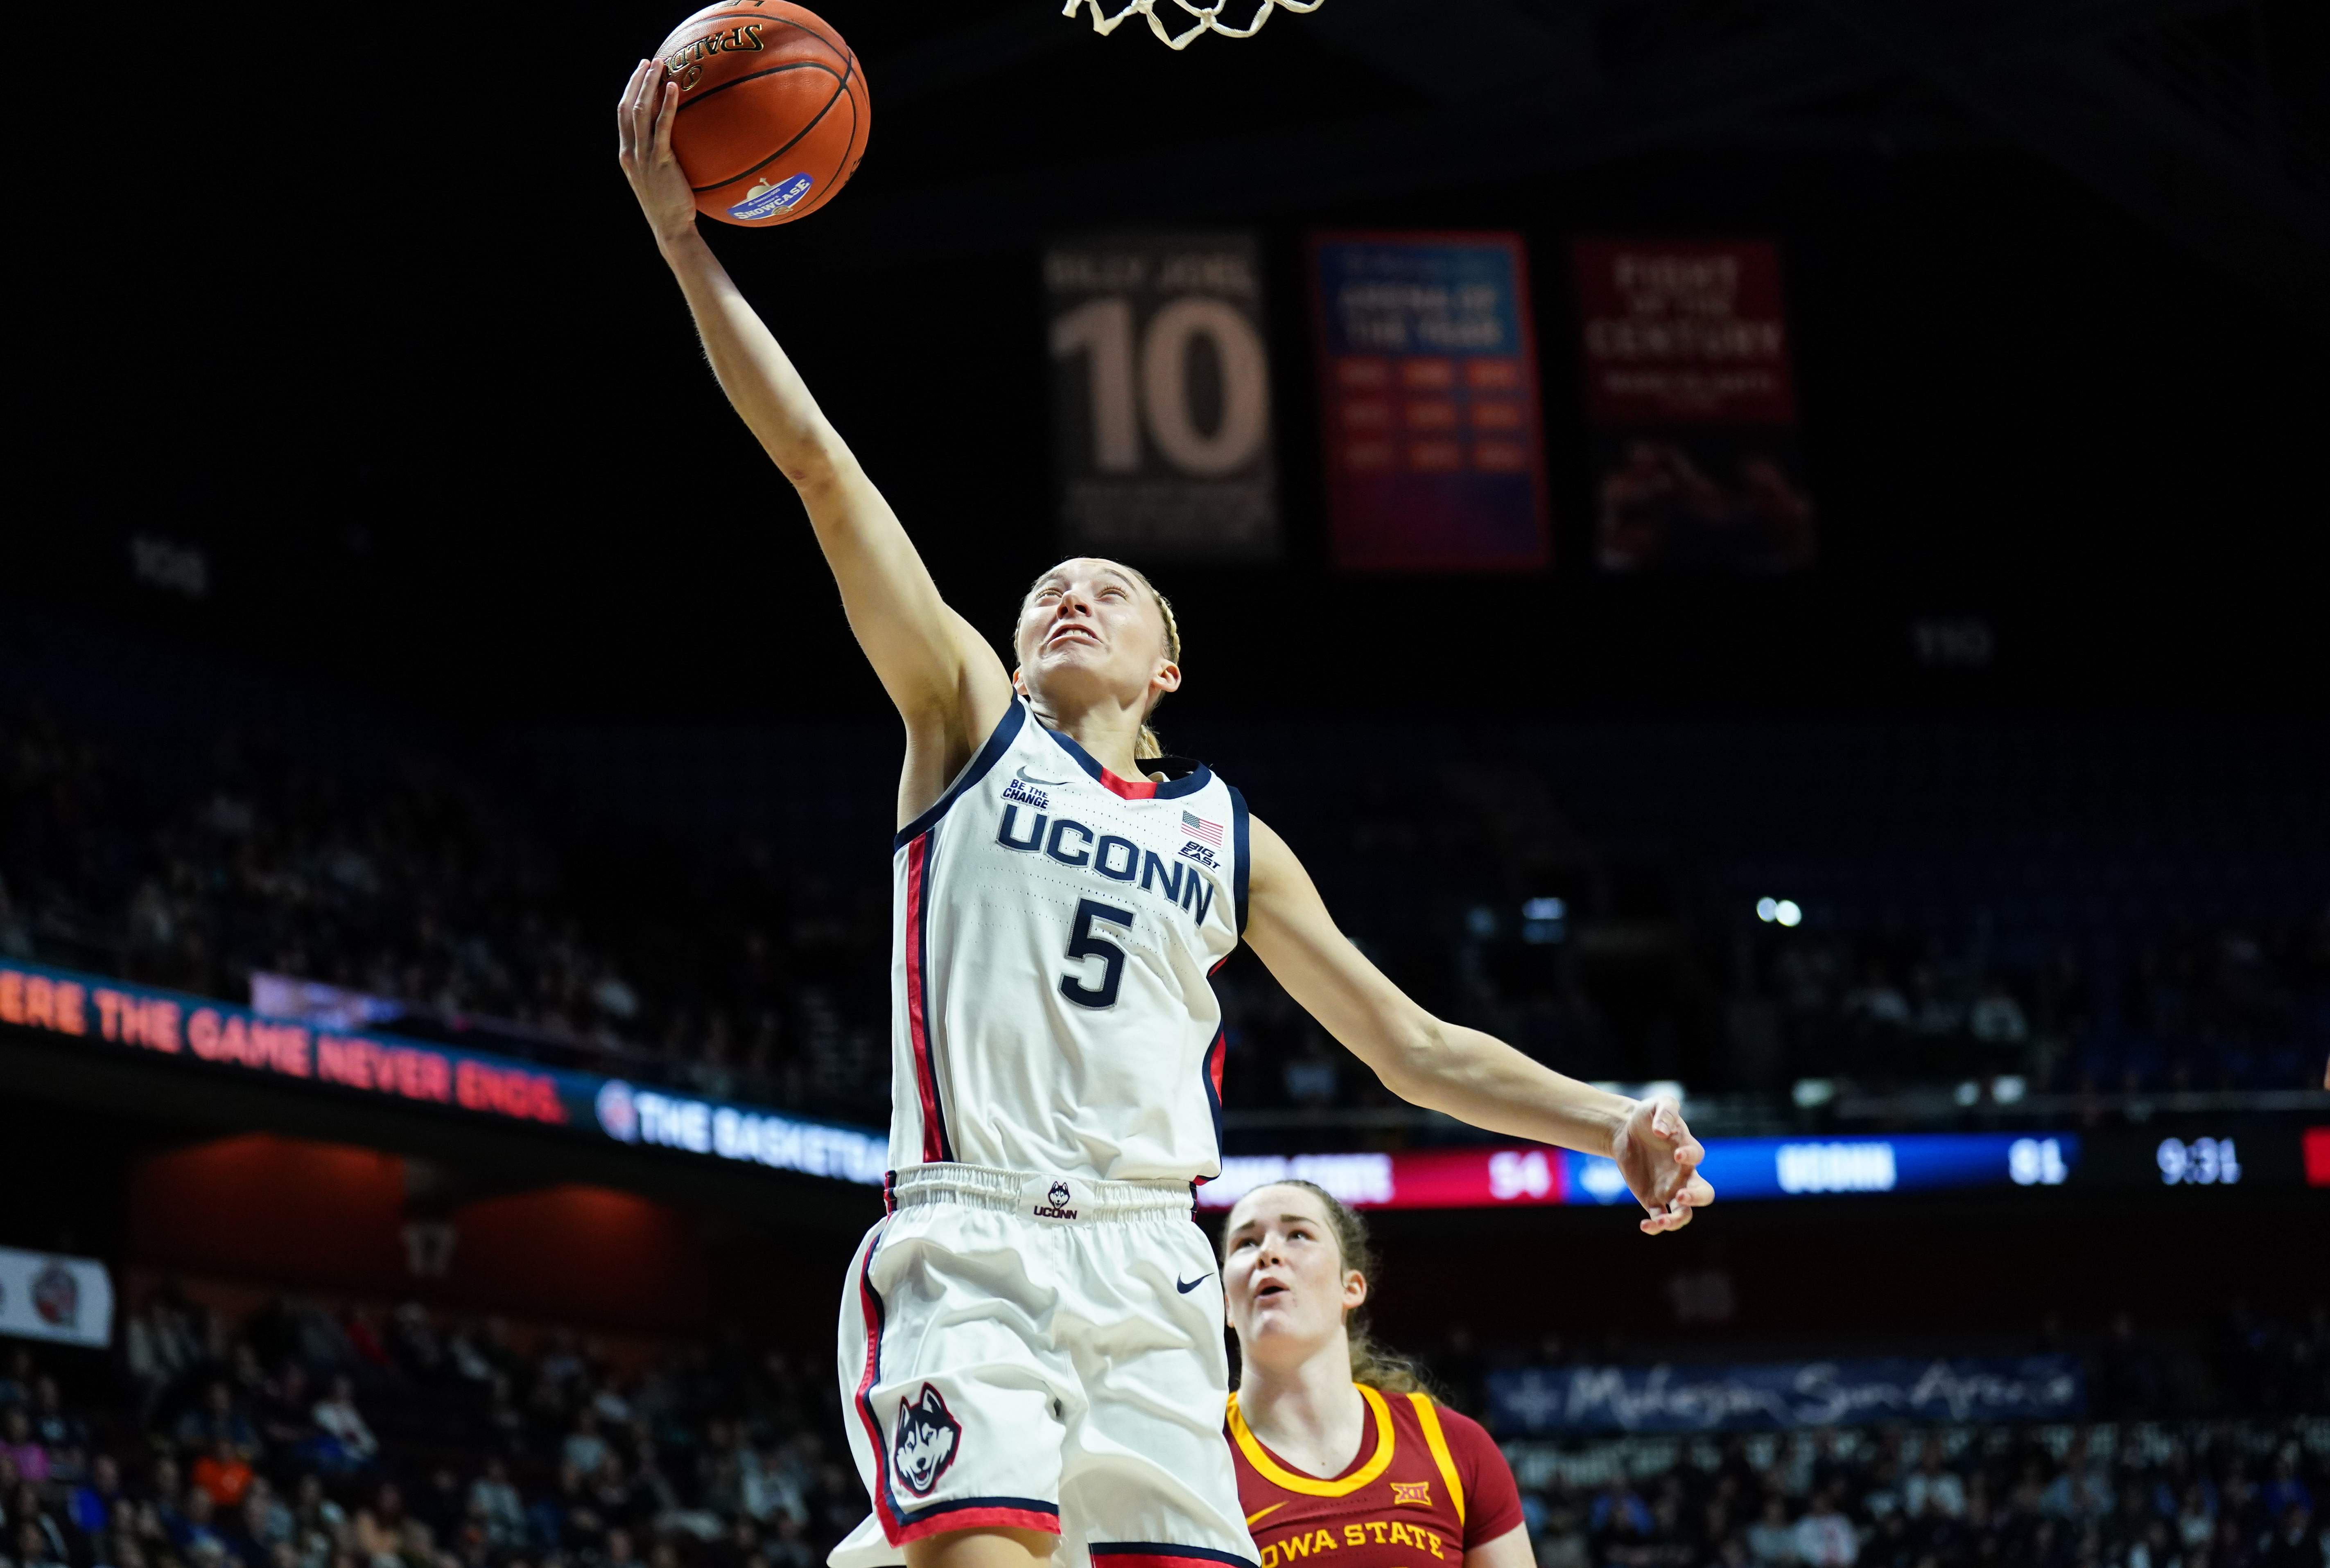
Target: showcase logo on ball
column 617, row 1111
column 765, row 200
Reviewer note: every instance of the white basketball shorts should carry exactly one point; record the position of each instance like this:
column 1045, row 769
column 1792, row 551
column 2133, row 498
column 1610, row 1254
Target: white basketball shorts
column 1046, row 1354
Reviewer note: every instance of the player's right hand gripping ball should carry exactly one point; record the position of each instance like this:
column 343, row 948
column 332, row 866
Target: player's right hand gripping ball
column 773, row 110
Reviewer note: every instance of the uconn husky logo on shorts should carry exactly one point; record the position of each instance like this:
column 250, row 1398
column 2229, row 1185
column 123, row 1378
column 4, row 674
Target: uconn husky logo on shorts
column 928, row 1438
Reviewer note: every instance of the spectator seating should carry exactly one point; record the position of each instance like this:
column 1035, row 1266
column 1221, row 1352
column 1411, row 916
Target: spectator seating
column 363, row 1438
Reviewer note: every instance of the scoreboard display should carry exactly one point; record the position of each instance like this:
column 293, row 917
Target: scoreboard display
column 2265, row 1158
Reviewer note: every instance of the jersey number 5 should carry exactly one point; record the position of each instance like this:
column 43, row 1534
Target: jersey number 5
column 1084, row 942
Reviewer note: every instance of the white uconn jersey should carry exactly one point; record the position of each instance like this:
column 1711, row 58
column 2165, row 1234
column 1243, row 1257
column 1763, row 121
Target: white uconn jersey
column 1049, row 1001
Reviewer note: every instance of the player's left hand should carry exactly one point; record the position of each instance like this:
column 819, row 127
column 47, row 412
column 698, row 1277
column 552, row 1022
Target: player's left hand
column 1659, row 1158
column 643, row 122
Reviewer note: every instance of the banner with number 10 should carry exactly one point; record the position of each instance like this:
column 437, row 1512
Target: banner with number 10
column 1160, row 397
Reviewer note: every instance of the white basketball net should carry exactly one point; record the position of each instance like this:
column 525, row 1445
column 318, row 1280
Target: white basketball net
column 1208, row 17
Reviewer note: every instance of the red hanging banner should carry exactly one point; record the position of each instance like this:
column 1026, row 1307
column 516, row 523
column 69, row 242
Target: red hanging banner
column 1684, row 332
column 1690, row 389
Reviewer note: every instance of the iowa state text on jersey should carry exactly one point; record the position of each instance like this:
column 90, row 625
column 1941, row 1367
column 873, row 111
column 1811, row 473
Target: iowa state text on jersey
column 1401, row 1504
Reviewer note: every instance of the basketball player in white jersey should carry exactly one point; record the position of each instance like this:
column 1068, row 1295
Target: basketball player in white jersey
column 1032, row 1348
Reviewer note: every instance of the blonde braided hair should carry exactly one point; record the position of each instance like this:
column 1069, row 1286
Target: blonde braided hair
column 1148, row 746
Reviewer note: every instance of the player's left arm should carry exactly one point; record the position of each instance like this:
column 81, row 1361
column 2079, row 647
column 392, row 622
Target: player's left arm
column 1510, row 1549
column 1445, row 1067
column 1496, row 1529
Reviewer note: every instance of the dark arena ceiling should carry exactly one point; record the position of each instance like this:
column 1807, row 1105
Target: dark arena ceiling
column 2176, row 113
column 355, row 302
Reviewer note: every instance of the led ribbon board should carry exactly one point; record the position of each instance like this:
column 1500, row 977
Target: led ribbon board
column 1665, row 1398
column 1739, row 1168
column 120, row 1018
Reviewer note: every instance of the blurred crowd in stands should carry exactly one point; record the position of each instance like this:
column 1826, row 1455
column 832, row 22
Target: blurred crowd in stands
column 749, row 973
column 2229, row 1495
column 2198, row 1007
column 425, row 890
column 310, row 1439
column 363, row 1438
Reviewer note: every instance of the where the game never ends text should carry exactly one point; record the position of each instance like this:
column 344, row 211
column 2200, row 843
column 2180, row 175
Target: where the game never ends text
column 226, row 1035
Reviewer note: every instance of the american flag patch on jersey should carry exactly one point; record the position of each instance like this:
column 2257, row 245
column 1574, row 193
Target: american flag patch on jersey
column 1197, row 826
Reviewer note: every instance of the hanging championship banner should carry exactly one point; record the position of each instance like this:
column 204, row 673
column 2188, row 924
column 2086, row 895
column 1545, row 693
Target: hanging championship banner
column 1690, row 388
column 1428, row 397
column 1160, row 397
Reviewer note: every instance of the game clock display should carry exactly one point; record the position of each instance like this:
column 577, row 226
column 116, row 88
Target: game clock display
column 2200, row 1162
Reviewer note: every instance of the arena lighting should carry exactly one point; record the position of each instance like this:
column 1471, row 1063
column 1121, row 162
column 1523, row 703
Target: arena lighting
column 1542, row 920
column 2008, row 1088
column 1812, row 1093
column 1783, row 911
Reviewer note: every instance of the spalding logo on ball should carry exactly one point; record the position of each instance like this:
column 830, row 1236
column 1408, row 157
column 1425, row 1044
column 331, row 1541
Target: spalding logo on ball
column 773, row 110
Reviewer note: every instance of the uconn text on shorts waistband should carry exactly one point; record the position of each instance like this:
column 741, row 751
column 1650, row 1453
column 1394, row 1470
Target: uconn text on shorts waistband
column 1061, row 1199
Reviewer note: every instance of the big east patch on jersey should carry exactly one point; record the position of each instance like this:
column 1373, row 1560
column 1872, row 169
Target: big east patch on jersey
column 928, row 1437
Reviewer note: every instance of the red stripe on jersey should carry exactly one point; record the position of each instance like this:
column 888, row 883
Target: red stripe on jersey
column 926, row 1080
column 979, row 1519
column 871, row 1305
column 1143, row 789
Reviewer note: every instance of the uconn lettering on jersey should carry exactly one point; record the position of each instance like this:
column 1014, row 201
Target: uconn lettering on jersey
column 1108, row 854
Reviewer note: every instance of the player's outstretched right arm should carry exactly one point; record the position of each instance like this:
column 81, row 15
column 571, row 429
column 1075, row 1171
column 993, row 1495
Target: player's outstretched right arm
column 948, row 684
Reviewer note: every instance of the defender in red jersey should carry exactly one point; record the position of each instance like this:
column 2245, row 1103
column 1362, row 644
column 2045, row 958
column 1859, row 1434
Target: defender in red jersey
column 1344, row 1460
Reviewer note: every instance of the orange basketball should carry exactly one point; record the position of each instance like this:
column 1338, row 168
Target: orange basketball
column 773, row 110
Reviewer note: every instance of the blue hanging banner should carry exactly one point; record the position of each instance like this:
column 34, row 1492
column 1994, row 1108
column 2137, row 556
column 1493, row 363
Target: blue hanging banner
column 1431, row 432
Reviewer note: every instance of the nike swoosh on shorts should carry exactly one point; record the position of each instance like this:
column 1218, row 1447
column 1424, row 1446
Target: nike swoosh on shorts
column 1186, row 1286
